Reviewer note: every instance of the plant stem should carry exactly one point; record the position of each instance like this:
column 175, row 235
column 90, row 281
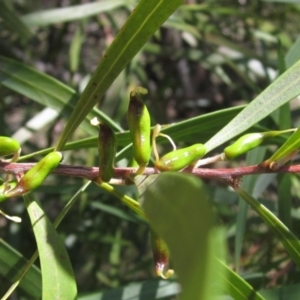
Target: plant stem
column 91, row 173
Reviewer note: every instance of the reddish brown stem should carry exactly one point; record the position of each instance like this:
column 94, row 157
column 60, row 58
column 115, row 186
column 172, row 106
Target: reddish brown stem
column 91, row 173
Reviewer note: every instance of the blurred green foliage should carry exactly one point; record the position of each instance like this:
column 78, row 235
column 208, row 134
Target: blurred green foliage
column 208, row 56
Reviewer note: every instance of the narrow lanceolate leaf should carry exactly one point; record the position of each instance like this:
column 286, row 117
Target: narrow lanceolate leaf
column 287, row 238
column 11, row 263
column 71, row 13
column 45, row 90
column 140, row 26
column 75, row 48
column 286, row 151
column 178, row 203
column 235, row 285
column 12, row 21
column 285, row 197
column 194, row 130
column 293, row 54
column 285, row 88
column 57, row 274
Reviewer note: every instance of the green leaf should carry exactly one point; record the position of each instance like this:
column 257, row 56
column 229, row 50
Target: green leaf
column 178, row 203
column 29, row 263
column 45, row 90
column 57, row 273
column 286, row 237
column 177, row 22
column 293, row 54
column 281, row 58
column 148, row 290
column 75, row 12
column 287, row 291
column 224, row 42
column 285, row 88
column 193, row 130
column 285, row 199
column 131, row 203
column 75, row 48
column 140, row 26
column 11, row 263
column 236, row 286
column 248, row 184
column 13, row 22
column 119, row 213
column 287, row 150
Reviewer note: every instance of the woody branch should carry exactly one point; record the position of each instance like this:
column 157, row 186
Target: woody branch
column 91, row 173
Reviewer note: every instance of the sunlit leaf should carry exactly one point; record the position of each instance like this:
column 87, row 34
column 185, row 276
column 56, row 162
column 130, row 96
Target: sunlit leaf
column 287, row 150
column 285, row 88
column 147, row 17
column 193, row 130
column 57, row 274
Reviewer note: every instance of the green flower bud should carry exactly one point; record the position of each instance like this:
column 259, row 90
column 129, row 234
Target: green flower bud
column 248, row 142
column 243, row 144
column 161, row 256
column 36, row 175
column 179, row 159
column 9, row 146
column 140, row 128
column 107, row 147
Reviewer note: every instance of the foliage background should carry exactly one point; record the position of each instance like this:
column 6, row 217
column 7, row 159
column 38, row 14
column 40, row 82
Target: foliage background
column 207, row 57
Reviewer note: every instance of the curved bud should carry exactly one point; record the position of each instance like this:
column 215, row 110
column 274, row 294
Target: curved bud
column 36, row 175
column 161, row 256
column 243, row 144
column 248, row 142
column 9, row 146
column 107, row 147
column 139, row 125
column 181, row 158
